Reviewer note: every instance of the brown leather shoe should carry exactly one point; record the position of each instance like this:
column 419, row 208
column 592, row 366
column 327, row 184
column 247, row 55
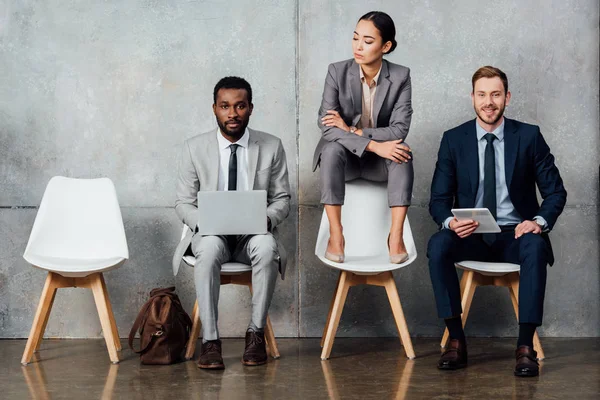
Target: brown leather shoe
column 210, row 355
column 256, row 349
column 527, row 364
column 455, row 357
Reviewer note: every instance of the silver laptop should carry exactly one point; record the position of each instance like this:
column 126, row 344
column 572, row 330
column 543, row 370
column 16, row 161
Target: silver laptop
column 232, row 212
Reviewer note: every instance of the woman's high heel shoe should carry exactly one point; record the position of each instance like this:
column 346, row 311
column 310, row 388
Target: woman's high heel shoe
column 337, row 258
column 396, row 258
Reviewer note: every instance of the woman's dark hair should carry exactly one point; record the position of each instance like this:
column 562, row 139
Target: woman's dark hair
column 384, row 24
column 232, row 82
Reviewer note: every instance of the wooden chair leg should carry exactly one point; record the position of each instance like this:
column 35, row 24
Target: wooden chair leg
column 41, row 339
column 196, row 325
column 96, row 283
column 270, row 338
column 330, row 309
column 514, row 296
column 336, row 313
column 394, row 299
column 468, row 286
column 41, row 316
column 111, row 316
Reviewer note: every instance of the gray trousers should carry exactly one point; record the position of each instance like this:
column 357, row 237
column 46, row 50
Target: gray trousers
column 259, row 251
column 339, row 166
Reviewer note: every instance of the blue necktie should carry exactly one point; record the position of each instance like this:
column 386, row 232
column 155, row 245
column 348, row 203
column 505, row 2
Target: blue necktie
column 489, row 183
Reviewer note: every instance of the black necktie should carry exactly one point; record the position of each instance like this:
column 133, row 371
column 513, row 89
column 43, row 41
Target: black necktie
column 489, row 183
column 232, row 182
column 232, row 185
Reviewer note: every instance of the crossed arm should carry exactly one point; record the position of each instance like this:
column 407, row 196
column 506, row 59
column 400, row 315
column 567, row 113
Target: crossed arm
column 387, row 142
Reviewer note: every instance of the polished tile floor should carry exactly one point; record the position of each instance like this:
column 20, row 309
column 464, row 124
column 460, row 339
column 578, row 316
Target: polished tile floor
column 358, row 369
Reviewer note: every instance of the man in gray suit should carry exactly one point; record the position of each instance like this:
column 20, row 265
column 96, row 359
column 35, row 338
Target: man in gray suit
column 233, row 157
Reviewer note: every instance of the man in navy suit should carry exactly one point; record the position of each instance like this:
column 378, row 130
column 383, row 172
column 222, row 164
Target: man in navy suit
column 496, row 163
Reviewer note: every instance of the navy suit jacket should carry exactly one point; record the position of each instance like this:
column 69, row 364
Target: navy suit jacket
column 527, row 161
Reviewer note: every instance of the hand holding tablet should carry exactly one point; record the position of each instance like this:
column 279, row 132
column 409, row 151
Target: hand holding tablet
column 487, row 223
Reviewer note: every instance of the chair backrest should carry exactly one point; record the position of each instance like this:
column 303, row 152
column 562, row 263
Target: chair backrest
column 366, row 218
column 78, row 219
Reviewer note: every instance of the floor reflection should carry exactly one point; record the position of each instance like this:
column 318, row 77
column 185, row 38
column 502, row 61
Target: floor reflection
column 365, row 369
column 37, row 381
column 402, row 378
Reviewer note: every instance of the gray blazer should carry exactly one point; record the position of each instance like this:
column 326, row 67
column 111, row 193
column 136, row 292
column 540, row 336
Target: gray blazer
column 392, row 109
column 199, row 170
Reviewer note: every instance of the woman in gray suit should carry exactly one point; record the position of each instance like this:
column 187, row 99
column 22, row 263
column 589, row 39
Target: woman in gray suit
column 364, row 118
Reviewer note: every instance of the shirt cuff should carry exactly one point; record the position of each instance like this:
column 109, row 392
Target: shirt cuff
column 541, row 221
column 446, row 224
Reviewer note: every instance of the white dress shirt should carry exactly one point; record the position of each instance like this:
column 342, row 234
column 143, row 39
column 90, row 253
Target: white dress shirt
column 242, row 161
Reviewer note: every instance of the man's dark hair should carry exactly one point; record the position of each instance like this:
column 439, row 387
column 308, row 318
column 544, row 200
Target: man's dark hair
column 232, row 82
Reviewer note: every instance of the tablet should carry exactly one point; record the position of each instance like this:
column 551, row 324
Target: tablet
column 487, row 223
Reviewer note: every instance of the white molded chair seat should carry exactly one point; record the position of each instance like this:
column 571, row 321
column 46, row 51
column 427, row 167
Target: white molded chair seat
column 231, row 273
column 229, row 268
column 366, row 218
column 77, row 235
column 489, row 268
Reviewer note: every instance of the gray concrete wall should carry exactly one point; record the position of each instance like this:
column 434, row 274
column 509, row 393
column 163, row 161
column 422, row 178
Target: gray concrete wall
column 112, row 88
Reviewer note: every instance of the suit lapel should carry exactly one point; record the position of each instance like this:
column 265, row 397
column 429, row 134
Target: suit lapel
column 355, row 91
column 471, row 155
column 511, row 147
column 253, row 153
column 211, row 156
column 383, row 86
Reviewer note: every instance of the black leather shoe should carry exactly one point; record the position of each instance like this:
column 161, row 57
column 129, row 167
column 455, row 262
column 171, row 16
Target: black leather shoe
column 256, row 349
column 210, row 355
column 455, row 357
column 527, row 364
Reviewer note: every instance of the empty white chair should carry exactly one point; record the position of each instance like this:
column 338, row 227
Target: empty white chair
column 479, row 273
column 231, row 273
column 77, row 235
column 366, row 219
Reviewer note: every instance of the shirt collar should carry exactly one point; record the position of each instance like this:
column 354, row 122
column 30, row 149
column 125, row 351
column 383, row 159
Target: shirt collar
column 224, row 143
column 375, row 78
column 499, row 131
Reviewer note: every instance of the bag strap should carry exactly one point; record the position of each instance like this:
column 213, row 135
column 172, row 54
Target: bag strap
column 139, row 322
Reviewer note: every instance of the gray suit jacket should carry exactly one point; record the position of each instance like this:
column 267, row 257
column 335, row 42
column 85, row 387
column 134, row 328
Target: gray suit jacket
column 392, row 109
column 199, row 170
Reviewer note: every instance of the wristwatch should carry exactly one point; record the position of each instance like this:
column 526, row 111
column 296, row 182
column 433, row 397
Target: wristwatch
column 353, row 129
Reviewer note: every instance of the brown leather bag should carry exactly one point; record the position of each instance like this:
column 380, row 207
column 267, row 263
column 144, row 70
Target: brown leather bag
column 164, row 328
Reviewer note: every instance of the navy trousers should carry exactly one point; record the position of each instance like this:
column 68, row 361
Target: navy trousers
column 530, row 251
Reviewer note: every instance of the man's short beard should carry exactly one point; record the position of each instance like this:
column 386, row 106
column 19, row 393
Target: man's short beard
column 500, row 114
column 237, row 134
